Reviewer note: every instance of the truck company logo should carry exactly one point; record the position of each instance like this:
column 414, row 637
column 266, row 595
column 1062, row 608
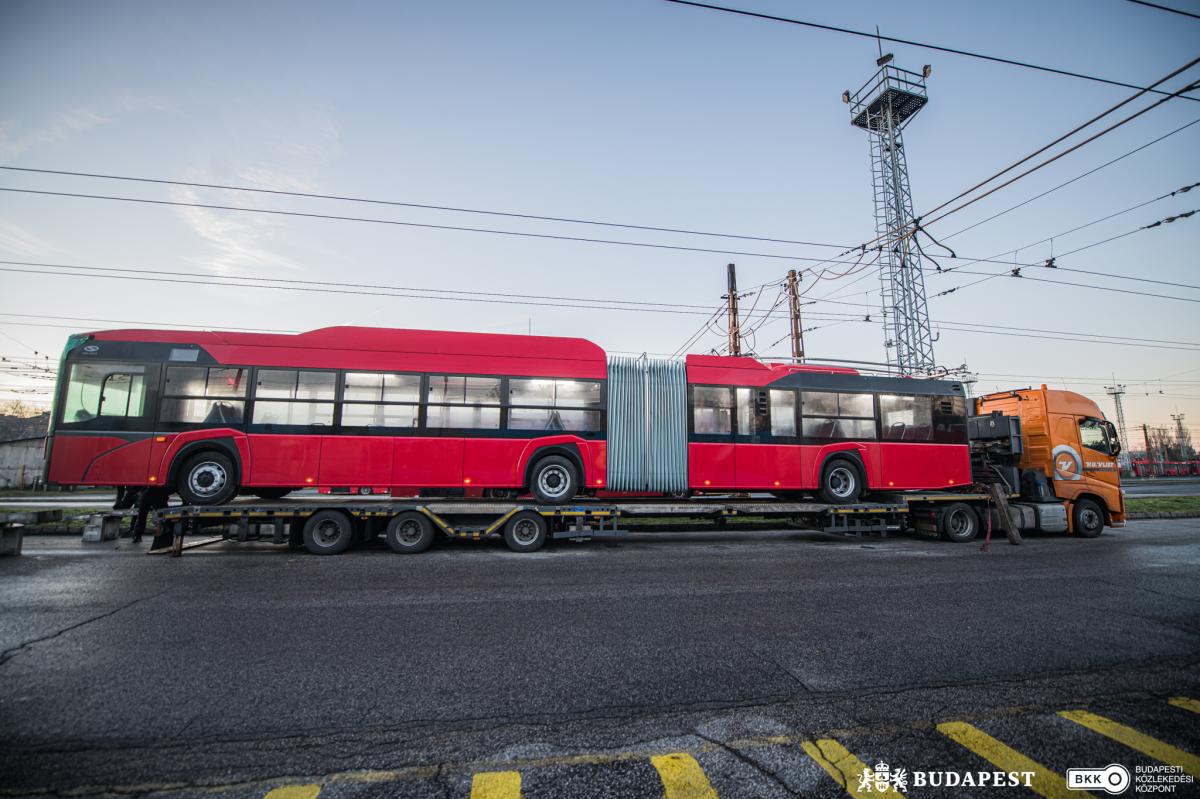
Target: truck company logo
column 1067, row 463
column 884, row 779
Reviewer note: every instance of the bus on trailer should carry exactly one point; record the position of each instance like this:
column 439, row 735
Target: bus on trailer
column 210, row 415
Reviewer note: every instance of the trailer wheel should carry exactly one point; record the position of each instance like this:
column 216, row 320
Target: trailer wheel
column 958, row 523
column 1087, row 518
column 840, row 482
column 328, row 532
column 409, row 533
column 553, row 480
column 525, row 532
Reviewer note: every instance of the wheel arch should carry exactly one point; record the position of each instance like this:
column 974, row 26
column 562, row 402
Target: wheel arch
column 852, row 455
column 568, row 450
column 225, row 446
column 1099, row 500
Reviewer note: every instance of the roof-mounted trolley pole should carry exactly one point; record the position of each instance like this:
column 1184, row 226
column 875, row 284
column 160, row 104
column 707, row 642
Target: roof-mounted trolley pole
column 883, row 107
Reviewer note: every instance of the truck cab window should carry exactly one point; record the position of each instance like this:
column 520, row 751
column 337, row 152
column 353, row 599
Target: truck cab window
column 1093, row 434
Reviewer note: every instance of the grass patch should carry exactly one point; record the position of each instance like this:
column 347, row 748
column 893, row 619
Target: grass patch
column 1161, row 504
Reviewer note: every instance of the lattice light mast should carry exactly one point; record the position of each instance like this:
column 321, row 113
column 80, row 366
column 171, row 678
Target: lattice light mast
column 883, row 107
column 1116, row 391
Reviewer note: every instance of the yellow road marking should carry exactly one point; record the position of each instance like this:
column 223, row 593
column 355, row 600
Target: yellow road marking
column 846, row 769
column 1135, row 740
column 496, row 785
column 682, row 777
column 1185, row 703
column 1045, row 782
column 294, row 792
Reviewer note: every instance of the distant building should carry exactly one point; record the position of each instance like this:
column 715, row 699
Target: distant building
column 22, row 444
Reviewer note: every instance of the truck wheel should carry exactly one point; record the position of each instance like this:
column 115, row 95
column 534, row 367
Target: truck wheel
column 328, row 532
column 553, row 480
column 1087, row 518
column 525, row 532
column 207, row 478
column 959, row 523
column 840, row 482
column 409, row 533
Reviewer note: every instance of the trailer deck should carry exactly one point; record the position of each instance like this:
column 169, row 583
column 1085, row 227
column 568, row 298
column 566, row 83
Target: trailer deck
column 280, row 521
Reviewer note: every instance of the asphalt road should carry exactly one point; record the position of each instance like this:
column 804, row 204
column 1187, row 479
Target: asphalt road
column 751, row 664
column 1163, row 487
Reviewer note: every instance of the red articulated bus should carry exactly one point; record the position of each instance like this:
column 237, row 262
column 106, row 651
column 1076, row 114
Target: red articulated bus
column 210, row 415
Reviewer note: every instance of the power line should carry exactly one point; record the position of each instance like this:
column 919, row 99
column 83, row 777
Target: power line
column 1059, row 155
column 1072, row 180
column 1165, row 8
column 425, row 225
column 939, row 48
column 1078, row 285
column 424, row 206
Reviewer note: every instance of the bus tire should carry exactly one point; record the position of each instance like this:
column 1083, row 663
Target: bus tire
column 958, row 523
column 526, row 531
column 207, row 478
column 328, row 532
column 271, row 493
column 409, row 533
column 1087, row 518
column 841, row 483
column 553, row 480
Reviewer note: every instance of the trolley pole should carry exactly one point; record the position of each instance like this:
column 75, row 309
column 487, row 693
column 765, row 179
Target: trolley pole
column 735, row 334
column 793, row 285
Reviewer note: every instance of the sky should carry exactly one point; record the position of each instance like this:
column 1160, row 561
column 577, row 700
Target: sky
column 639, row 112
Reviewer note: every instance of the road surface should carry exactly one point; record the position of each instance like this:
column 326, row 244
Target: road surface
column 756, row 664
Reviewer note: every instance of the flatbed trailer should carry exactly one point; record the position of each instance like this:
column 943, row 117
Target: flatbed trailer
column 330, row 525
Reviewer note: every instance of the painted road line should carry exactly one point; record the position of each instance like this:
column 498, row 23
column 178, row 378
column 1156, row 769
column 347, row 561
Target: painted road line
column 496, row 785
column 294, row 792
column 846, row 769
column 682, row 777
column 1185, row 703
column 1135, row 740
column 1045, row 782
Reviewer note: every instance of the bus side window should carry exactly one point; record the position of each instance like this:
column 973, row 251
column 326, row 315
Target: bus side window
column 712, row 410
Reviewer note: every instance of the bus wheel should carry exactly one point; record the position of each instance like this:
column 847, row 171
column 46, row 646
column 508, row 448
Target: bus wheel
column 525, row 532
column 553, row 480
column 409, row 533
column 840, row 483
column 328, row 532
column 207, row 478
column 958, row 522
column 1087, row 518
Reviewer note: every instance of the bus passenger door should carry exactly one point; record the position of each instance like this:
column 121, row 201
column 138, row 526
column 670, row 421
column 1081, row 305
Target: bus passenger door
column 767, row 453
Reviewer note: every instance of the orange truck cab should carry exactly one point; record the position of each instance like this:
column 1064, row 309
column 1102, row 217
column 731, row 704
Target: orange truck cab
column 1068, row 450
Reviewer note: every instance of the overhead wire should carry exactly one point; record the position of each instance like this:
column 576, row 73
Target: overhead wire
column 922, row 45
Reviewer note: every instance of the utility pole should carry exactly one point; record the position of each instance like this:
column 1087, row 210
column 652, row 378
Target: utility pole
column 793, row 286
column 1149, row 452
column 1116, row 391
column 735, row 333
column 883, row 107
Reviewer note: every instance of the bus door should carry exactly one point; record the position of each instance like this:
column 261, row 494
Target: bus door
column 105, row 430
column 767, row 454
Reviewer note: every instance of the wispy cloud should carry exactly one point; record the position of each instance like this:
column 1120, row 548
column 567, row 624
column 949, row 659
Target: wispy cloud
column 16, row 240
column 62, row 127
